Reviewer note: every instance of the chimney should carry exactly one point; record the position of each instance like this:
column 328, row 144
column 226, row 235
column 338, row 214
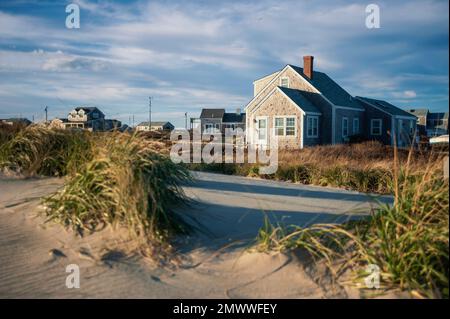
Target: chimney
column 238, row 111
column 308, row 61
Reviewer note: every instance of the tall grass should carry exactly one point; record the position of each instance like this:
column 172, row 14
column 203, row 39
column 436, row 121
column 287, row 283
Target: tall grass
column 408, row 240
column 47, row 152
column 128, row 184
column 112, row 179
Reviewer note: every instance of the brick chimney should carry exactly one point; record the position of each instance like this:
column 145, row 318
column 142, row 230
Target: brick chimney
column 308, row 61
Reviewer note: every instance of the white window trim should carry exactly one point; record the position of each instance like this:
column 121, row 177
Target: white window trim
column 284, row 117
column 307, row 126
column 342, row 128
column 285, row 78
column 371, row 126
column 356, row 120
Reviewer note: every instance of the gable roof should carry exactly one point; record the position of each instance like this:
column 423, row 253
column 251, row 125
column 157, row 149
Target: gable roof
column 87, row 109
column 301, row 98
column 160, row 123
column 212, row 113
column 234, row 118
column 329, row 88
column 385, row 107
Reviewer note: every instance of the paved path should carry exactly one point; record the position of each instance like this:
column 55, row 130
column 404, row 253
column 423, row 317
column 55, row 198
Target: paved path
column 234, row 207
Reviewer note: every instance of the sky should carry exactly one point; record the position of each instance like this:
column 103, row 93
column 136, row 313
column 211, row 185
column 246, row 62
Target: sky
column 193, row 54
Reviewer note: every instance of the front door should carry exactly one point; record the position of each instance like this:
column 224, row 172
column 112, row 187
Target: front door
column 261, row 131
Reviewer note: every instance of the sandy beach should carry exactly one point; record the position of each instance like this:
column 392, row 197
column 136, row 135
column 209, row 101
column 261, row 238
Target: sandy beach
column 215, row 263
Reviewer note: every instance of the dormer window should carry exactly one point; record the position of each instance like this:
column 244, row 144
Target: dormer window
column 284, row 82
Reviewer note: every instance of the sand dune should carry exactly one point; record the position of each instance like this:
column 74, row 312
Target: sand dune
column 34, row 254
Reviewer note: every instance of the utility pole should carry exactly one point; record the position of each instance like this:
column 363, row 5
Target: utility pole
column 46, row 114
column 149, row 113
column 185, row 120
column 33, row 118
column 133, row 120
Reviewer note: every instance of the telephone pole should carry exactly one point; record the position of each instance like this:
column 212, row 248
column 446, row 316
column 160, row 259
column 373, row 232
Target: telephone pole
column 185, row 120
column 46, row 114
column 149, row 113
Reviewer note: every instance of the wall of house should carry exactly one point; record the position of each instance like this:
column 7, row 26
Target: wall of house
column 350, row 115
column 258, row 85
column 311, row 141
column 213, row 121
column 278, row 105
column 373, row 113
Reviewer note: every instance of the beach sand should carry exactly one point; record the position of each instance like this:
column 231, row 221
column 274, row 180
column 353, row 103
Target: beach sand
column 217, row 264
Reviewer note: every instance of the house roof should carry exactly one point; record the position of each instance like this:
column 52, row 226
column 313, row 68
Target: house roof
column 212, row 113
column 438, row 116
column 234, row 118
column 330, row 89
column 159, row 123
column 418, row 112
column 304, row 100
column 88, row 109
column 385, row 106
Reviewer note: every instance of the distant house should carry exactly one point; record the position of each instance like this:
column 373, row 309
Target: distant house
column 155, row 126
column 431, row 123
column 88, row 118
column 12, row 121
column 301, row 107
column 217, row 120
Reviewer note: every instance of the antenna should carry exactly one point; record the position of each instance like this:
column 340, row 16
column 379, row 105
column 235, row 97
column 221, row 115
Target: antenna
column 149, row 113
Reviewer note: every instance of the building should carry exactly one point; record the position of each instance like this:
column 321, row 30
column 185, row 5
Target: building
column 304, row 107
column 88, row 118
column 430, row 124
column 217, row 120
column 19, row 121
column 155, row 126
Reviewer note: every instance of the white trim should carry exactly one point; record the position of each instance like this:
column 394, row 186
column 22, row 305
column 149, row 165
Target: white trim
column 307, row 127
column 288, row 81
column 302, row 130
column 381, row 127
column 342, row 127
column 339, row 107
column 405, row 117
column 264, row 77
column 262, row 90
column 353, row 126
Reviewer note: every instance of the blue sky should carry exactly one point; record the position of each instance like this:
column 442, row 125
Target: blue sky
column 194, row 54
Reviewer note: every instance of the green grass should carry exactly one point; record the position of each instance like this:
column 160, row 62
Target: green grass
column 111, row 179
column 408, row 240
column 45, row 152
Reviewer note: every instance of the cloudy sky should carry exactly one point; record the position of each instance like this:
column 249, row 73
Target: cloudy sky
column 194, row 54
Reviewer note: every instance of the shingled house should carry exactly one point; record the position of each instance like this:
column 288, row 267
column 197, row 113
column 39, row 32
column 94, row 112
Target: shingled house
column 217, row 120
column 302, row 107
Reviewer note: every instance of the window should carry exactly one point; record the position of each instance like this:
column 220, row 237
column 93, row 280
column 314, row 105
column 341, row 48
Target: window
column 209, row 128
column 284, row 126
column 290, row 126
column 344, row 127
column 375, row 126
column 284, row 82
column 355, row 126
column 312, row 126
column 262, row 129
column 279, row 126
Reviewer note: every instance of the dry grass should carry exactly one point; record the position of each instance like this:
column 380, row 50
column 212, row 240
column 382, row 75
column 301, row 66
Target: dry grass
column 409, row 240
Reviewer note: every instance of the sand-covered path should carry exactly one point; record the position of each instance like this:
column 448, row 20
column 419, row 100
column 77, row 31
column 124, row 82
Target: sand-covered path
column 34, row 254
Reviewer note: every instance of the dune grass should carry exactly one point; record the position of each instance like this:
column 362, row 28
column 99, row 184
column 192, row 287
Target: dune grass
column 45, row 152
column 111, row 179
column 408, row 240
